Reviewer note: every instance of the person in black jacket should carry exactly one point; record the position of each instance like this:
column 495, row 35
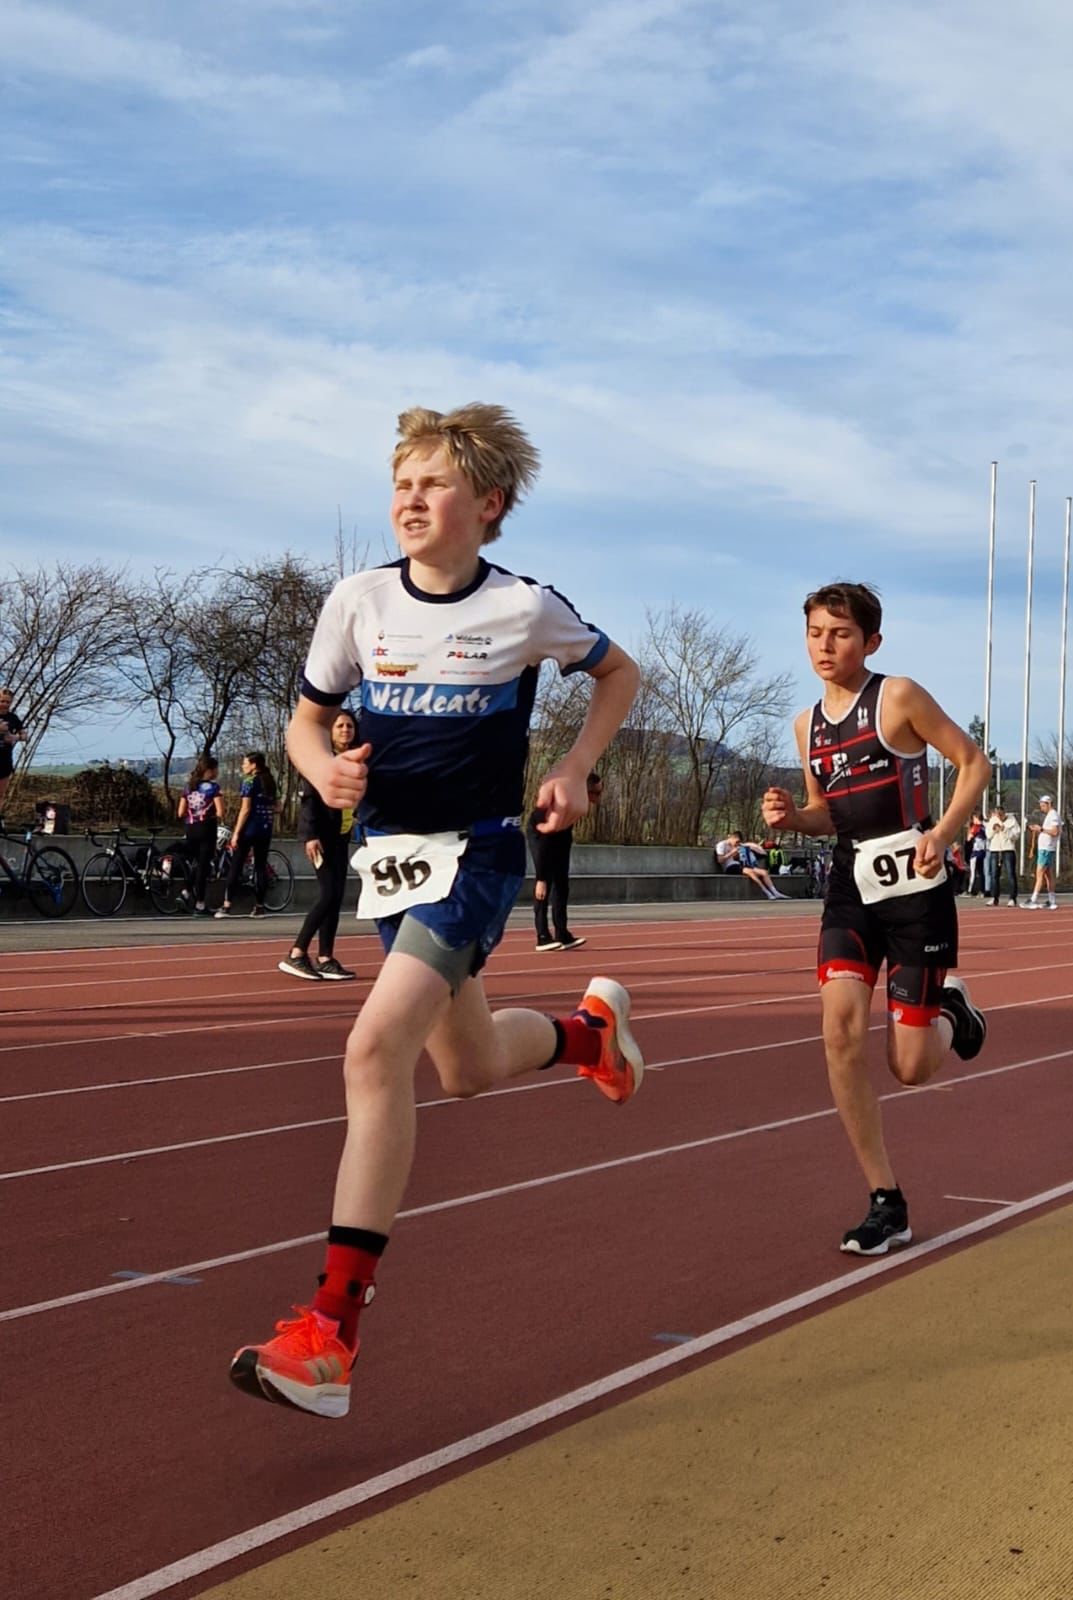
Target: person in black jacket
column 325, row 832
column 551, row 866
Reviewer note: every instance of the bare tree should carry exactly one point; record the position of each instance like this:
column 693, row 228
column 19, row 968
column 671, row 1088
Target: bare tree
column 61, row 638
column 706, row 679
column 159, row 660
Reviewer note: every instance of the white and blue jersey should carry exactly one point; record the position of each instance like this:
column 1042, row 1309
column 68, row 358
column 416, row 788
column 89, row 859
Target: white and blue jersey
column 447, row 683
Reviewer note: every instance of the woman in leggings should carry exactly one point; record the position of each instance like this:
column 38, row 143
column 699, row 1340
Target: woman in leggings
column 253, row 830
column 201, row 810
column 325, row 833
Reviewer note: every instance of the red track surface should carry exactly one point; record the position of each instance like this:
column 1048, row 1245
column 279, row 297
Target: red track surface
column 167, row 1107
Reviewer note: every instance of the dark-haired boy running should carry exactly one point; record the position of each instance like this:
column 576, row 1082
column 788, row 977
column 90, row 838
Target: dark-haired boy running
column 864, row 748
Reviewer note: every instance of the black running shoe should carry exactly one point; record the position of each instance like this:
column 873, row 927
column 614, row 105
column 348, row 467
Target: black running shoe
column 299, row 967
column 334, row 970
column 886, row 1224
column 572, row 942
column 968, row 1022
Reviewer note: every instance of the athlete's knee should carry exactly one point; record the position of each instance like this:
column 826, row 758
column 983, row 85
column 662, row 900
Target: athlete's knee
column 370, row 1064
column 463, row 1079
column 913, row 1056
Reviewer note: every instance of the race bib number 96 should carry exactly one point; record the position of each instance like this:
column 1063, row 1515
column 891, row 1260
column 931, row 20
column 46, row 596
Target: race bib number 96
column 400, row 870
column 883, row 868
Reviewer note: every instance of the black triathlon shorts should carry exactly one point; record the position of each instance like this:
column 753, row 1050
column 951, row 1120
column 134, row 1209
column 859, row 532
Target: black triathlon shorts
column 916, row 935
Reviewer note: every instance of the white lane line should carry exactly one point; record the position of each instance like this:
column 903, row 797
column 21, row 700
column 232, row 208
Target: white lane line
column 977, row 1200
column 572, row 982
column 492, row 1094
column 190, row 1269
column 213, row 1556
column 669, row 949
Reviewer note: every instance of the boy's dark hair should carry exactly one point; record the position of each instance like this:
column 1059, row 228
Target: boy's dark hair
column 854, row 600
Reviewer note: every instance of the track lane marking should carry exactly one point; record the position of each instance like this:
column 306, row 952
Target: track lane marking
column 545, row 1180
column 475, row 1444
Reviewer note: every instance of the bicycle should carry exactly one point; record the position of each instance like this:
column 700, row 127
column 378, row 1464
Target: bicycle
column 47, row 876
column 108, row 876
column 279, row 874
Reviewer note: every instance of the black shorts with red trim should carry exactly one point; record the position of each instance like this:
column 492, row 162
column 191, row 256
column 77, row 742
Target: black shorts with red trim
column 916, row 935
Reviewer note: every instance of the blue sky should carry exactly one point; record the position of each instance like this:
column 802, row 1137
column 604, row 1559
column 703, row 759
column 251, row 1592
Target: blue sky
column 769, row 285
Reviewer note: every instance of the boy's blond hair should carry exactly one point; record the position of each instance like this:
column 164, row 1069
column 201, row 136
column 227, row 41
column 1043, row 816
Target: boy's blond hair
column 486, row 443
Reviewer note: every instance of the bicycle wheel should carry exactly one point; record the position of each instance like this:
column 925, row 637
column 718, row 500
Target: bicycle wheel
column 170, row 884
column 104, row 884
column 279, row 881
column 51, row 882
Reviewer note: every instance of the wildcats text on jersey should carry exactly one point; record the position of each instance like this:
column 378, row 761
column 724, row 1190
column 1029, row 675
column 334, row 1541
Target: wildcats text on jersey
column 437, row 699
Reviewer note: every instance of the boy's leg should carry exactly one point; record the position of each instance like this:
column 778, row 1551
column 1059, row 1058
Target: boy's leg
column 474, row 1048
column 309, row 1362
column 381, row 1055
column 846, row 1004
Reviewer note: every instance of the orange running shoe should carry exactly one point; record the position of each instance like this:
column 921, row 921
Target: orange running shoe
column 306, row 1365
column 621, row 1067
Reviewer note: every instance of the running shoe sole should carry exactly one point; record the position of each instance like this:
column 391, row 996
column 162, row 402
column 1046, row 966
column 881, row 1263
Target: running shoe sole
column 960, row 988
column 852, row 1248
column 546, row 949
column 615, row 997
column 328, row 1400
column 296, row 972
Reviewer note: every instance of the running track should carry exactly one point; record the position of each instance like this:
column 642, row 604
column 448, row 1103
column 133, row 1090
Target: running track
column 174, row 1111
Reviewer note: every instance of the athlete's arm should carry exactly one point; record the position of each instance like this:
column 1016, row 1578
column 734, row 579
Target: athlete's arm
column 778, row 808
column 340, row 780
column 911, row 714
column 562, row 796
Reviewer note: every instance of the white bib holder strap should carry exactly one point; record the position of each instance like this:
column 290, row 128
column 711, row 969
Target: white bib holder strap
column 883, row 868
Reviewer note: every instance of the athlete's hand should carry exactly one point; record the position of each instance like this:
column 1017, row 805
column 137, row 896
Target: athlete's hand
column 563, row 798
column 312, row 850
column 930, row 855
column 777, row 807
column 344, row 779
column 540, row 890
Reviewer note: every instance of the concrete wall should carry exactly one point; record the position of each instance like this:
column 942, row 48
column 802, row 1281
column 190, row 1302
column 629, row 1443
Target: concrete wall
column 601, row 874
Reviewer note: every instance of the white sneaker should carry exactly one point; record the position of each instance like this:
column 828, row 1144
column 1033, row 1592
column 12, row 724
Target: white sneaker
column 1053, row 906
column 1033, row 905
column 1011, row 902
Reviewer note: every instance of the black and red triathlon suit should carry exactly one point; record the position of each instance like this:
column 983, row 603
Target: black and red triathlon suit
column 872, row 790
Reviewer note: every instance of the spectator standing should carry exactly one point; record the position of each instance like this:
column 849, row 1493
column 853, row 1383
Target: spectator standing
column 11, row 733
column 551, row 867
column 976, row 851
column 253, row 830
column 324, row 831
column 1003, row 832
column 1046, row 834
column 201, row 810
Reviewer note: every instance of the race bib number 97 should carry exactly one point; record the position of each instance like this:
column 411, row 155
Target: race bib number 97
column 400, row 870
column 883, row 868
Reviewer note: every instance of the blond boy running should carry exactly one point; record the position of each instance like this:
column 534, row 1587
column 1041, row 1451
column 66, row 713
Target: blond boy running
column 444, row 649
column 864, row 751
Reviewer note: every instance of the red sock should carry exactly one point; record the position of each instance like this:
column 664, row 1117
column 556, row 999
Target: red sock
column 578, row 1040
column 346, row 1285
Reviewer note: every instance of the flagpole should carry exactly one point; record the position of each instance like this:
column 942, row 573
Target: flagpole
column 1059, row 794
column 990, row 617
column 1028, row 666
